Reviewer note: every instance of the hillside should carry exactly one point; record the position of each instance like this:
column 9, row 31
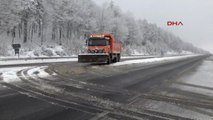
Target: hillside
column 41, row 24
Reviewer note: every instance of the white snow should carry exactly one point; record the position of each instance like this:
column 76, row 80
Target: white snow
column 186, row 52
column 15, row 62
column 183, row 52
column 38, row 71
column 137, row 52
column 199, row 80
column 194, row 90
column 152, row 60
column 9, row 74
column 126, row 62
column 136, row 56
column 38, row 51
column 173, row 109
column 203, row 78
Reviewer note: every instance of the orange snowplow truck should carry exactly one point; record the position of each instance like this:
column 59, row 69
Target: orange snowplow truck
column 101, row 48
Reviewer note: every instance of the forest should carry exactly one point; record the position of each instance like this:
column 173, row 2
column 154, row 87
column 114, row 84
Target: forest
column 42, row 24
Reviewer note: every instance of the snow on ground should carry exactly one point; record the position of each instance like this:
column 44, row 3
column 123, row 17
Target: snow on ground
column 38, row 71
column 178, row 53
column 204, row 78
column 15, row 62
column 126, row 62
column 9, row 74
column 173, row 109
column 136, row 56
column 202, row 91
column 199, row 80
column 152, row 60
column 44, row 51
column 5, row 58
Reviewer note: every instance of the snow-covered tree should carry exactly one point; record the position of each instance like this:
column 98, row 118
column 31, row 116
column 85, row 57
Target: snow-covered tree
column 36, row 23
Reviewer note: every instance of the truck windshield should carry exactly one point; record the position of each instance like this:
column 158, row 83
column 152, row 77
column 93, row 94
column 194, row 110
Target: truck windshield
column 98, row 42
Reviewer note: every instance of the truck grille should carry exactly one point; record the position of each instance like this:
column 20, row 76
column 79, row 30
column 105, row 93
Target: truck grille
column 96, row 51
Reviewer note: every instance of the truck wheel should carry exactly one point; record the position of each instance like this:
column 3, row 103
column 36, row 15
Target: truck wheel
column 119, row 57
column 115, row 59
column 109, row 61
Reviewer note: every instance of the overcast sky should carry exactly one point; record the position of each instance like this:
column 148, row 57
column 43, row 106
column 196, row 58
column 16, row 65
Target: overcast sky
column 196, row 15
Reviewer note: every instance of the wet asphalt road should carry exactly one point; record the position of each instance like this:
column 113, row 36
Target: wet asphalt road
column 16, row 106
column 24, row 101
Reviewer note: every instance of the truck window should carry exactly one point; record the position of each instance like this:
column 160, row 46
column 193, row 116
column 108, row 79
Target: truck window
column 98, row 42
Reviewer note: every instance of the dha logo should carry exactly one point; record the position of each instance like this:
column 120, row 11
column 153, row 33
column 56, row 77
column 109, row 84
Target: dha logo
column 174, row 23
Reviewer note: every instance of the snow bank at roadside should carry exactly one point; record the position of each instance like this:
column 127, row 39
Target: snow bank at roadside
column 10, row 74
column 44, row 51
column 33, row 61
column 47, row 51
column 198, row 81
column 136, row 56
column 152, row 60
column 126, row 62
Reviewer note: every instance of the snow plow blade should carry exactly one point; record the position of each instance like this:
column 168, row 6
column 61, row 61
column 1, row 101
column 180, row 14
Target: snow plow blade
column 93, row 58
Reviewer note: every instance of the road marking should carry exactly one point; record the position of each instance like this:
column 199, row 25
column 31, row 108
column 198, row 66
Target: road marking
column 2, row 96
column 101, row 115
column 132, row 100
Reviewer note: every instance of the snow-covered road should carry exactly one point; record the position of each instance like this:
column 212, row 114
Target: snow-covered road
column 144, row 87
column 125, row 60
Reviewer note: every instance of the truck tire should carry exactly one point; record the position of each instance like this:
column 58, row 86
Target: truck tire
column 115, row 59
column 109, row 61
column 119, row 58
